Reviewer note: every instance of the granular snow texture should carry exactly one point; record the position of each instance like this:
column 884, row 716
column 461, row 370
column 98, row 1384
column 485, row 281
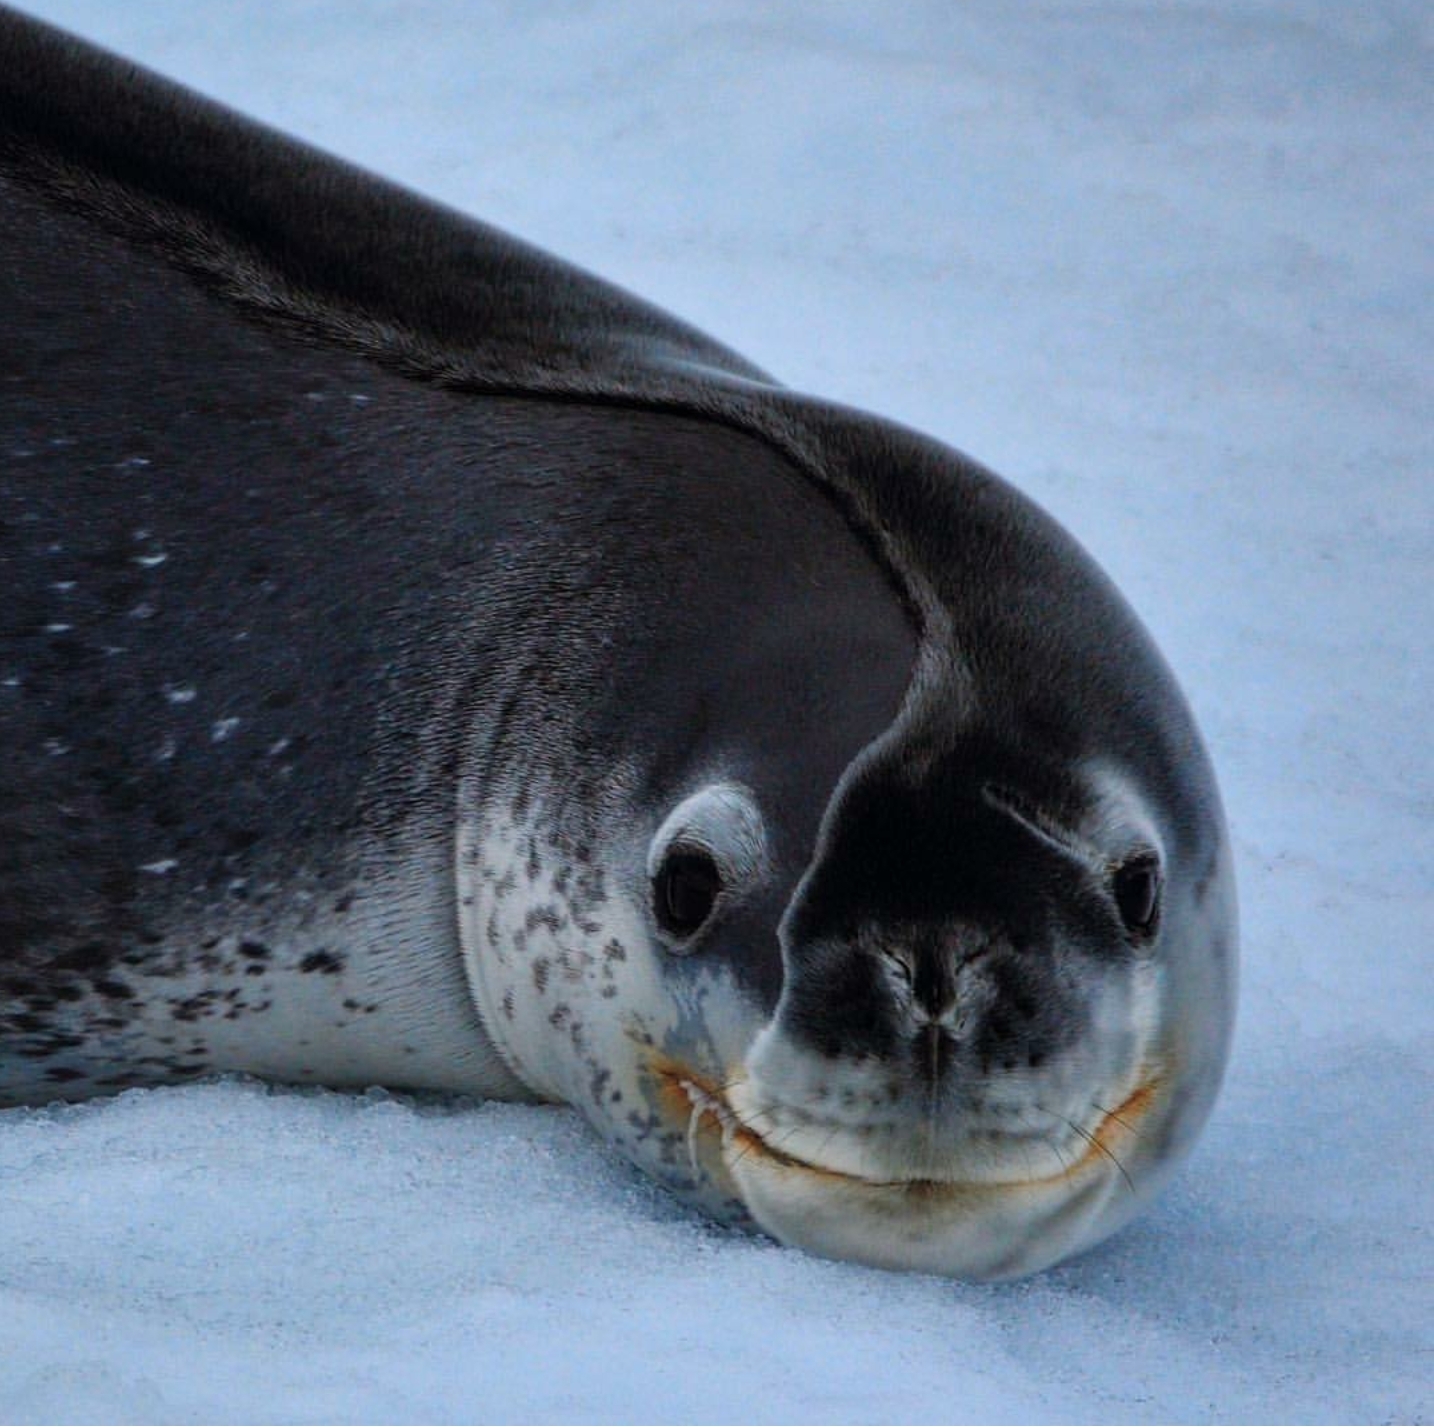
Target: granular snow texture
column 1165, row 265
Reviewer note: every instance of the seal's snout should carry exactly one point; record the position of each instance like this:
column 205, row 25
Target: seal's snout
column 941, row 1009
column 956, row 1219
column 960, row 1093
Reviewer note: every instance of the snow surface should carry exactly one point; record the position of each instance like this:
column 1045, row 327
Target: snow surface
column 1166, row 266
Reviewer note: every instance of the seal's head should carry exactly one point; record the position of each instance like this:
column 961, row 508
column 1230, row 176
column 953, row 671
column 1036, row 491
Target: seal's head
column 968, row 1015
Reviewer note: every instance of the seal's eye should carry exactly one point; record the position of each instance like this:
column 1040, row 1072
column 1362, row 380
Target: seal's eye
column 685, row 890
column 1137, row 894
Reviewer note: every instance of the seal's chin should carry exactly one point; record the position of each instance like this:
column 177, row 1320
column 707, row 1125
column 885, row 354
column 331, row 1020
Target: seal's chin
column 980, row 1225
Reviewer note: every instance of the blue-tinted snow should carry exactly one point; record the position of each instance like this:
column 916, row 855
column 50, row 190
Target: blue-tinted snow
column 1165, row 265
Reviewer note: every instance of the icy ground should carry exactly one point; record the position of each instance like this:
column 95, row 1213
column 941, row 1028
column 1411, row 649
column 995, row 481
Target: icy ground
column 1166, row 266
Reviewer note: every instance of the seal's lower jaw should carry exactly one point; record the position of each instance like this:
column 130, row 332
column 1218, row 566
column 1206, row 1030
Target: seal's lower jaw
column 975, row 1229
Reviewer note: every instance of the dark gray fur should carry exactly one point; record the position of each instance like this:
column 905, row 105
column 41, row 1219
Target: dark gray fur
column 427, row 497
column 375, row 563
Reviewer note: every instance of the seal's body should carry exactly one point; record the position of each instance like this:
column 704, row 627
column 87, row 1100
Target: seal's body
column 424, row 664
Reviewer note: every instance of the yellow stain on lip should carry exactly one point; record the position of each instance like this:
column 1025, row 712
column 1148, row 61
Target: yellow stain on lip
column 685, row 1095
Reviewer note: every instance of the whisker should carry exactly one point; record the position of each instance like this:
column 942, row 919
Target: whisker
column 694, row 1127
column 768, row 1111
column 1054, row 1148
column 831, row 1135
column 1133, row 1130
column 742, row 1153
column 1105, row 1150
column 1026, row 1155
column 753, row 1141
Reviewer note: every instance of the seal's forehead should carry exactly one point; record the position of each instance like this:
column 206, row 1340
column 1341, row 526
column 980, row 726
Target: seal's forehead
column 960, row 813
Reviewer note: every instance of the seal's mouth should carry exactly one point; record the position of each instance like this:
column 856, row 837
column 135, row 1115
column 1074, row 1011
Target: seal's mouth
column 690, row 1097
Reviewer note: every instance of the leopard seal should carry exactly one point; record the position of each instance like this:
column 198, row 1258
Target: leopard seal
column 424, row 664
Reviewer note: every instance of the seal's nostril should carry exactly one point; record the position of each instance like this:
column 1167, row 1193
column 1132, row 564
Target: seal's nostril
column 925, row 970
column 898, row 961
column 934, row 983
